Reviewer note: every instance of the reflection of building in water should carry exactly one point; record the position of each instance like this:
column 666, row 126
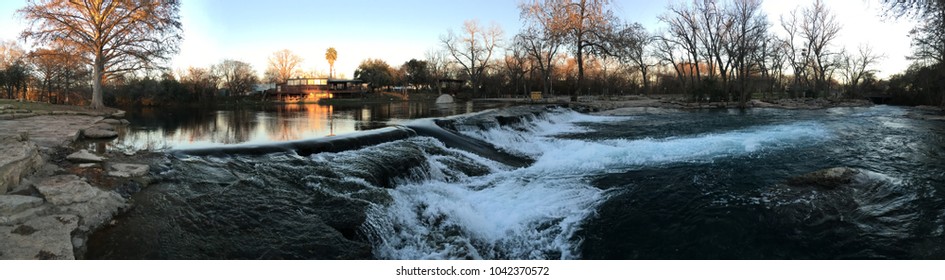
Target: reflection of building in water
column 313, row 89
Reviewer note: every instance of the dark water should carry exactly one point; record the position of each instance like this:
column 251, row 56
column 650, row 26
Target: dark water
column 693, row 185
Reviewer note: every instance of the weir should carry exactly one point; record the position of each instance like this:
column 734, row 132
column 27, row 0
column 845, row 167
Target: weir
column 309, row 146
column 357, row 140
column 452, row 139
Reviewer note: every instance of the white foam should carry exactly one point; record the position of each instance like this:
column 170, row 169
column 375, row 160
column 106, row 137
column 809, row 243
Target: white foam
column 503, row 215
column 573, row 156
column 534, row 212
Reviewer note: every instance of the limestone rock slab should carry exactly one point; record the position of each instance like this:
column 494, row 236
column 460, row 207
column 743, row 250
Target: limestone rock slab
column 18, row 158
column 42, row 238
column 126, row 170
column 98, row 133
column 12, row 204
column 84, row 156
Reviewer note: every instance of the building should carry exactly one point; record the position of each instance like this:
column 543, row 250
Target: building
column 313, row 89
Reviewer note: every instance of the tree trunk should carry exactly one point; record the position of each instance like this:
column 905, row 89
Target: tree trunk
column 98, row 74
column 646, row 81
column 580, row 81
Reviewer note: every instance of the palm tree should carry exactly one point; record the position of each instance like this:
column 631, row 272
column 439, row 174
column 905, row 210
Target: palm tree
column 331, row 55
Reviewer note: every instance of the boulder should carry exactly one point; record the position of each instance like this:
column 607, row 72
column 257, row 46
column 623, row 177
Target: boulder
column 18, row 158
column 126, row 170
column 42, row 238
column 444, row 99
column 111, row 122
column 118, row 114
column 830, row 178
column 84, row 156
column 104, row 125
column 99, row 132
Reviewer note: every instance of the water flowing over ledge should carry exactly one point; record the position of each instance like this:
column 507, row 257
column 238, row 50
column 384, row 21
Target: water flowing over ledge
column 541, row 183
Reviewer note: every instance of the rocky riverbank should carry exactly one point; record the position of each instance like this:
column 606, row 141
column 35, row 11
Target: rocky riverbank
column 51, row 196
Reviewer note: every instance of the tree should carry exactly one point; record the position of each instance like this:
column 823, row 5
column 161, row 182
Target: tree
column 683, row 32
column 416, row 72
column 200, row 82
column 856, row 67
column 630, row 46
column 745, row 39
column 58, row 71
column 589, row 22
column 473, row 49
column 113, row 36
column 544, row 34
column 438, row 66
column 377, row 73
column 331, row 55
column 14, row 70
column 928, row 42
column 796, row 51
column 282, row 65
column 237, row 77
column 928, row 37
column 819, row 28
column 517, row 66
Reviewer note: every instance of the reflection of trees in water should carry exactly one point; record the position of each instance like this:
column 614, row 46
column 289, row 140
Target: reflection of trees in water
column 231, row 127
column 195, row 124
column 162, row 128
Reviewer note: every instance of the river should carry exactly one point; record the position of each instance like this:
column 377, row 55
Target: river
column 531, row 182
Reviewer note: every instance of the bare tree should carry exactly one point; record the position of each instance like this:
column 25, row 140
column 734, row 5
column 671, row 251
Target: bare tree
column 683, row 32
column 201, row 82
column 771, row 60
column 473, row 49
column 856, row 67
column 237, row 77
column 282, row 65
column 746, row 37
column 795, row 50
column 665, row 53
column 517, row 66
column 331, row 55
column 438, row 66
column 589, row 23
column 715, row 24
column 928, row 37
column 113, row 36
column 631, row 45
column 819, row 29
column 545, row 32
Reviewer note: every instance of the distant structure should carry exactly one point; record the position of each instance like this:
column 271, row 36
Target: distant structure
column 444, row 99
column 313, row 89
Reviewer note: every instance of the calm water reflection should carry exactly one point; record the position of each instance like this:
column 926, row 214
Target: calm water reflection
column 160, row 128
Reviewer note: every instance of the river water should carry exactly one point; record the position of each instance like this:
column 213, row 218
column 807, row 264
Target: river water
column 536, row 183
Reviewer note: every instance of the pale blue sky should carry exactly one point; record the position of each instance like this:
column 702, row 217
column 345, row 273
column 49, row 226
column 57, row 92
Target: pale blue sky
column 397, row 31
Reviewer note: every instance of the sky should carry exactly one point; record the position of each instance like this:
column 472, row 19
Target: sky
column 397, row 31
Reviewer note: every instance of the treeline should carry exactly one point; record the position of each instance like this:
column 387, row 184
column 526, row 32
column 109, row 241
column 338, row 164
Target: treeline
column 726, row 50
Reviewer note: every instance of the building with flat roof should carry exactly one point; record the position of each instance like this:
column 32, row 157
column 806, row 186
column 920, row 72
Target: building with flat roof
column 313, row 89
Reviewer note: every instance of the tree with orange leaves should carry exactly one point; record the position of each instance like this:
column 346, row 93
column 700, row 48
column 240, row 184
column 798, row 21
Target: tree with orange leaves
column 113, row 36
